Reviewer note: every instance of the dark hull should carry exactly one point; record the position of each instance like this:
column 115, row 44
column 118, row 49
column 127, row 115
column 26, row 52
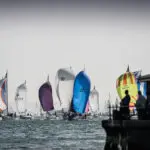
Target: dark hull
column 127, row 134
column 25, row 117
column 73, row 116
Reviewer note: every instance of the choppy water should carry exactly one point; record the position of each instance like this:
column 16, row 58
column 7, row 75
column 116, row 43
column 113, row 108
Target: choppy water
column 51, row 135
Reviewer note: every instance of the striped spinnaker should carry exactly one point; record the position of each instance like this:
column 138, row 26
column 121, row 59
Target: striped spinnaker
column 127, row 81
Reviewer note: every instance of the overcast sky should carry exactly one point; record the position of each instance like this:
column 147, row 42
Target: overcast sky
column 37, row 40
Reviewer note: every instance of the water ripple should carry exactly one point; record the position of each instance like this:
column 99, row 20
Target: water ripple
column 52, row 135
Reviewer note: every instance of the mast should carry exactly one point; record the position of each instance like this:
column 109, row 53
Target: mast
column 6, row 77
column 47, row 82
column 40, row 111
column 128, row 69
column 48, row 78
column 109, row 107
column 36, row 108
column 25, row 97
column 98, row 100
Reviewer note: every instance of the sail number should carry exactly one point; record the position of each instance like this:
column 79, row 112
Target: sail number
column 83, row 90
column 20, row 98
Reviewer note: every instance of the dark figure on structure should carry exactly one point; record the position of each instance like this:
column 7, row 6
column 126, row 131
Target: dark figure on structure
column 141, row 106
column 148, row 107
column 124, row 106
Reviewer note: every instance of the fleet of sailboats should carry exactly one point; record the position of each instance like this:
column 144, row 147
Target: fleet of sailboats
column 73, row 92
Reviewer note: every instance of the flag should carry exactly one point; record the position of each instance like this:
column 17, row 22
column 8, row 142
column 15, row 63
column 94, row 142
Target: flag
column 137, row 74
column 142, row 86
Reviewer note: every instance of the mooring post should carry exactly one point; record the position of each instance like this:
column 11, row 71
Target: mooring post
column 109, row 111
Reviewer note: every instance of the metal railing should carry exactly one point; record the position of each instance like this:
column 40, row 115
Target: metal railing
column 116, row 108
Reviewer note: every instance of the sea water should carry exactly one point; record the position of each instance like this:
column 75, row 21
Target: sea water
column 52, row 135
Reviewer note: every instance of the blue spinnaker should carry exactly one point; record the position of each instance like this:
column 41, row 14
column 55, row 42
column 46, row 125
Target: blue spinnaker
column 81, row 92
column 142, row 86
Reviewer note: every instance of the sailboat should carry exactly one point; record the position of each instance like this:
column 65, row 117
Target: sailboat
column 94, row 102
column 36, row 114
column 81, row 92
column 64, row 82
column 21, row 101
column 46, row 97
column 3, row 97
column 127, row 81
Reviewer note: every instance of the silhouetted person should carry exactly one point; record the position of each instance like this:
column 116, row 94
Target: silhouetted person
column 15, row 114
column 148, row 106
column 124, row 106
column 141, row 105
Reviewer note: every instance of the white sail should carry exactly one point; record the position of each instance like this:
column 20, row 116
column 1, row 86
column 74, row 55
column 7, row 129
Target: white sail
column 94, row 101
column 3, row 100
column 20, row 98
column 64, row 87
column 4, row 95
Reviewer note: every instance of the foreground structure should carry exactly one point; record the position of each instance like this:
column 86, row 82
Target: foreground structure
column 128, row 134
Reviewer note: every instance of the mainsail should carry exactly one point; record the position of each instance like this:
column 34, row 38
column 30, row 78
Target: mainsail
column 3, row 94
column 64, row 87
column 21, row 98
column 81, row 92
column 46, row 97
column 94, row 101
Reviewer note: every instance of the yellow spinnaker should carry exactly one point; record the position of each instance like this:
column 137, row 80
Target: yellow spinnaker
column 127, row 82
